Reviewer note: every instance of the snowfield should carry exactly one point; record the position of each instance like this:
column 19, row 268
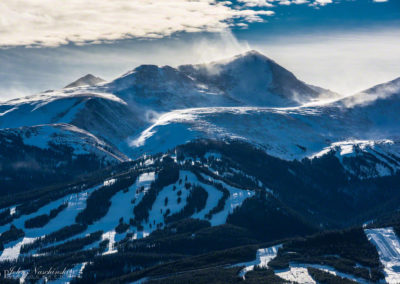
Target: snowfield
column 295, row 273
column 263, row 256
column 287, row 133
column 388, row 246
column 61, row 134
column 13, row 250
column 298, row 273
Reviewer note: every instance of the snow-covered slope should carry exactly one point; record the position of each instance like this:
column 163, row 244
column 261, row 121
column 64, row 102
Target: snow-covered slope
column 61, row 135
column 366, row 158
column 388, row 246
column 102, row 114
column 289, row 133
column 129, row 104
column 386, row 91
column 42, row 155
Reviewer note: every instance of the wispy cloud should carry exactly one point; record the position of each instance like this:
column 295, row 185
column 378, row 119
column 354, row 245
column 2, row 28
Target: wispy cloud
column 380, row 1
column 321, row 2
column 300, row 1
column 257, row 3
column 273, row 3
column 58, row 22
column 285, row 2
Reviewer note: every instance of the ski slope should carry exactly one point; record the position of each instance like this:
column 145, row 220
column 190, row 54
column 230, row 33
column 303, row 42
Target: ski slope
column 388, row 245
column 122, row 205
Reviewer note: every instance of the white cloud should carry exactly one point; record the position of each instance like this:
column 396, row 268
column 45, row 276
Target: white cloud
column 321, row 2
column 58, row 22
column 380, row 1
column 285, row 2
column 256, row 3
column 300, row 1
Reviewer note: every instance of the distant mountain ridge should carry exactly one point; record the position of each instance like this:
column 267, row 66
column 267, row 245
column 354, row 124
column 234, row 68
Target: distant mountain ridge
column 248, row 97
column 253, row 79
column 249, row 79
column 87, row 80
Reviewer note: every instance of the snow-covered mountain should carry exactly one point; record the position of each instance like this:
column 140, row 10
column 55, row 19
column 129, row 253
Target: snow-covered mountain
column 61, row 135
column 289, row 133
column 249, row 79
column 152, row 109
column 44, row 155
column 118, row 110
column 253, row 79
column 102, row 114
column 168, row 174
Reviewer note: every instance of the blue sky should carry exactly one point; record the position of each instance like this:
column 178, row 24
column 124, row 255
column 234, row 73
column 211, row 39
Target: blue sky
column 344, row 45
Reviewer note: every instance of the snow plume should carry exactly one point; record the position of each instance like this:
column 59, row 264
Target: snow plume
column 164, row 119
column 13, row 92
column 224, row 45
column 299, row 2
column 299, row 98
column 56, row 22
column 256, row 3
column 367, row 97
column 151, row 116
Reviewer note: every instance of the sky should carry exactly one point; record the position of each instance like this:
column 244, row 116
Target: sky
column 343, row 45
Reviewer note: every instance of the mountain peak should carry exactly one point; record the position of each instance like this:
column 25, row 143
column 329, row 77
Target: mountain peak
column 252, row 53
column 249, row 78
column 387, row 87
column 87, row 80
column 252, row 79
column 246, row 57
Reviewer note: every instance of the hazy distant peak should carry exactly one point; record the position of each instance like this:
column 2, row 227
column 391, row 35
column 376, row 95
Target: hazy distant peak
column 87, row 80
column 391, row 86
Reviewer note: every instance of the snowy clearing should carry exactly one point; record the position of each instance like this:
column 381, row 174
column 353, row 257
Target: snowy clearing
column 298, row 272
column 263, row 256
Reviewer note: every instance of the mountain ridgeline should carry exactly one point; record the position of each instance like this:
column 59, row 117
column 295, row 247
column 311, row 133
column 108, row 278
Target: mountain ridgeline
column 221, row 172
